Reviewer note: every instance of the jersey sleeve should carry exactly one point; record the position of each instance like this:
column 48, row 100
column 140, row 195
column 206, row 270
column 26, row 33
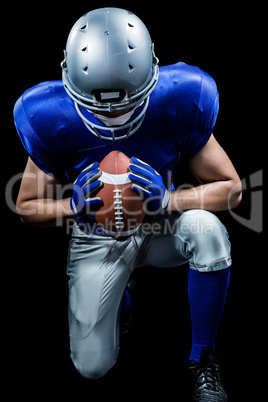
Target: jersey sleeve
column 207, row 107
column 24, row 113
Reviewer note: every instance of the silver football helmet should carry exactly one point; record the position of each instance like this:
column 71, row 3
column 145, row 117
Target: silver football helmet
column 110, row 66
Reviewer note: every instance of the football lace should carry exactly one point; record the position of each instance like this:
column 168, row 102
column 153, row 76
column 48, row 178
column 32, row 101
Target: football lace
column 119, row 224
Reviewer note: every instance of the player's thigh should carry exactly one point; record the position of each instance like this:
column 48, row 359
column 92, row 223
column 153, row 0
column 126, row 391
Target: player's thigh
column 196, row 236
column 98, row 275
column 163, row 247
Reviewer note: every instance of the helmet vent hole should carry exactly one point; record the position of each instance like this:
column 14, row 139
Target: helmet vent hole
column 130, row 25
column 84, row 49
column 83, row 27
column 131, row 47
column 130, row 67
column 85, row 69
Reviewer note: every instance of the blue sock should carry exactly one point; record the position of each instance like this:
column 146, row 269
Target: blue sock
column 125, row 301
column 207, row 293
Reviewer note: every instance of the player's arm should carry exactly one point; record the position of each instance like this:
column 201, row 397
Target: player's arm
column 36, row 204
column 220, row 188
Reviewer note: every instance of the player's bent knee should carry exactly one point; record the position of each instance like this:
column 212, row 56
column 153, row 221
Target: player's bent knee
column 92, row 367
column 207, row 239
column 201, row 223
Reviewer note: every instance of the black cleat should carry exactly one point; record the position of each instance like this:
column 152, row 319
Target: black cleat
column 205, row 379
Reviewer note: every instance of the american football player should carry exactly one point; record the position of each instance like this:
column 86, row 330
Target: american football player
column 114, row 96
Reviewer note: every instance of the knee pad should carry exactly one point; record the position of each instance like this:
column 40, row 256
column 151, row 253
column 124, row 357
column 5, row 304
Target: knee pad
column 94, row 355
column 206, row 239
column 92, row 367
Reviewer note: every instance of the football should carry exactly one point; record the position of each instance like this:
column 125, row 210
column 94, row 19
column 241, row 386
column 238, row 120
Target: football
column 122, row 212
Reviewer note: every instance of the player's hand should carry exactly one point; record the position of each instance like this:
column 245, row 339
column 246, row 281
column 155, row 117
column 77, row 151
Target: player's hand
column 149, row 184
column 83, row 202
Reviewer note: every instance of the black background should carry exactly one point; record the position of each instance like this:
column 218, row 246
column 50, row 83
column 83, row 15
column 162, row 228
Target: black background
column 224, row 42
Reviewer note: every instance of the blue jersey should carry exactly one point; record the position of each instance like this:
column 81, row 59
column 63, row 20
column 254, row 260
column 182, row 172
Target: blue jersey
column 180, row 117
